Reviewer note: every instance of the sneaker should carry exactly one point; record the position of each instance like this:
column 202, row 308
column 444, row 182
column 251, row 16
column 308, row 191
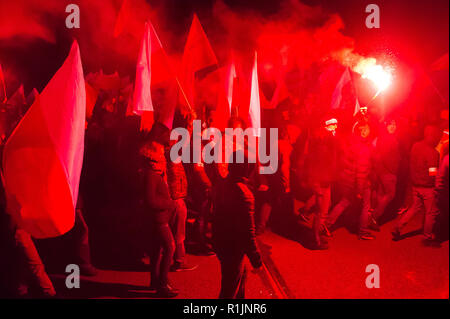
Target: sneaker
column 396, row 236
column 205, row 251
column 366, row 236
column 176, row 267
column 167, row 292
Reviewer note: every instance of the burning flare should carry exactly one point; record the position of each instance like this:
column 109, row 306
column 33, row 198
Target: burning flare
column 369, row 69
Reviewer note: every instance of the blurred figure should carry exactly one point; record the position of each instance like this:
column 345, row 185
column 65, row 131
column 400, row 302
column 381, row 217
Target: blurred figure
column 27, row 276
column 177, row 182
column 79, row 235
column 355, row 180
column 161, row 208
column 386, row 164
column 442, row 200
column 278, row 193
column 200, row 190
column 321, row 168
column 424, row 163
column 234, row 230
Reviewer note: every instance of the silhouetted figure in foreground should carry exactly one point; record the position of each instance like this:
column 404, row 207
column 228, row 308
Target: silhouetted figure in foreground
column 424, row 163
column 234, row 230
column 161, row 208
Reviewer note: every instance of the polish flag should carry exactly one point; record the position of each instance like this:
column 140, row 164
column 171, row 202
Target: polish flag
column 281, row 93
column 357, row 107
column 32, row 96
column 43, row 157
column 254, row 112
column 91, row 99
column 131, row 18
column 18, row 98
column 198, row 56
column 155, row 82
column 231, row 77
column 338, row 91
column 225, row 96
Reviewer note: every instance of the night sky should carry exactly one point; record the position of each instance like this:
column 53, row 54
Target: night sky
column 415, row 32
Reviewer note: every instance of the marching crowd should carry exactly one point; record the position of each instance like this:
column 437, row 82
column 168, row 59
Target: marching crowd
column 372, row 172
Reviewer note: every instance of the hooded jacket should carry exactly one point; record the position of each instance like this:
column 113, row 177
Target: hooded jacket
column 357, row 165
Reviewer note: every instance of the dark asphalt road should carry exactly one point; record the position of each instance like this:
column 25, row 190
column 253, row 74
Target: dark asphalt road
column 407, row 270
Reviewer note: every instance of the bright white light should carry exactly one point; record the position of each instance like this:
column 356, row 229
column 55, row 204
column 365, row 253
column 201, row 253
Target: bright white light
column 380, row 77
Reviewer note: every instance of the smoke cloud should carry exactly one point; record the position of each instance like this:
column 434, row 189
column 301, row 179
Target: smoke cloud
column 295, row 39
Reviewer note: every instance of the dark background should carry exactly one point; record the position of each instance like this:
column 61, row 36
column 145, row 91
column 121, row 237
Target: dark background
column 415, row 32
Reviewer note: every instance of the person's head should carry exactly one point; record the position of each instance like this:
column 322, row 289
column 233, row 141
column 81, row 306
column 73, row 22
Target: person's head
column 153, row 152
column 363, row 110
column 432, row 135
column 236, row 122
column 362, row 130
column 391, row 126
column 210, row 115
column 240, row 169
column 331, row 125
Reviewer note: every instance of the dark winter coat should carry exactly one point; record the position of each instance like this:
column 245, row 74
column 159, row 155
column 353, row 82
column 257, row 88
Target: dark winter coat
column 357, row 166
column 233, row 226
column 423, row 157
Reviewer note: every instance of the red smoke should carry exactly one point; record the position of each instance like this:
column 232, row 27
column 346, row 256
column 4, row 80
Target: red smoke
column 296, row 41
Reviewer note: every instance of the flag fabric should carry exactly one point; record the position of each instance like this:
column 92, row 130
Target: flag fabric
column 43, row 157
column 281, row 93
column 338, row 91
column 131, row 18
column 3, row 97
column 32, row 96
column 254, row 112
column 142, row 100
column 198, row 55
column 18, row 98
column 231, row 77
column 357, row 107
column 105, row 82
column 91, row 99
column 154, row 80
column 225, row 96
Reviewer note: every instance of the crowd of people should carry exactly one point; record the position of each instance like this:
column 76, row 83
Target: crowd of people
column 372, row 172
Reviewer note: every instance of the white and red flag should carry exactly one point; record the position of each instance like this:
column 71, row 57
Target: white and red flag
column 338, row 91
column 281, row 93
column 18, row 98
column 225, row 96
column 254, row 112
column 131, row 18
column 154, row 81
column 32, row 96
column 198, row 56
column 43, row 157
